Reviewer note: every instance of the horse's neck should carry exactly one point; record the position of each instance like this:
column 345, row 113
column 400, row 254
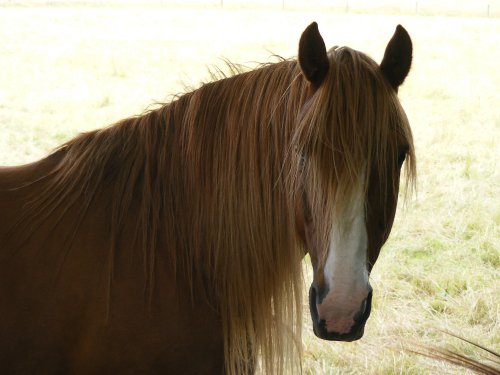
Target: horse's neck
column 18, row 176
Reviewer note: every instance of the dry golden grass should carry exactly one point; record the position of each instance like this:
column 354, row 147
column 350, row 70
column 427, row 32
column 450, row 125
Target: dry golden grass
column 66, row 70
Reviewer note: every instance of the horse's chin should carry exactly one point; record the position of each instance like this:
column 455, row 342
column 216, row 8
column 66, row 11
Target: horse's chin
column 355, row 334
column 319, row 325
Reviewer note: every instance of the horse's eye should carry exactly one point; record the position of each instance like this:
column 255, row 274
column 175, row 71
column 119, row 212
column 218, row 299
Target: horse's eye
column 401, row 158
column 402, row 155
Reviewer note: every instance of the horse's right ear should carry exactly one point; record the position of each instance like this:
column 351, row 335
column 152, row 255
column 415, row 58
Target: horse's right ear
column 312, row 55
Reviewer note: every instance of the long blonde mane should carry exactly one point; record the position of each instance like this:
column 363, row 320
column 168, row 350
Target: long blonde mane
column 211, row 181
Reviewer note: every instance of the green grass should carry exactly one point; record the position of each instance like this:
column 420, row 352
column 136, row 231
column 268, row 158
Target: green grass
column 63, row 71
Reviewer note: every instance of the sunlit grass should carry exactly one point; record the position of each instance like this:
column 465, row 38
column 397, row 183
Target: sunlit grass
column 63, row 71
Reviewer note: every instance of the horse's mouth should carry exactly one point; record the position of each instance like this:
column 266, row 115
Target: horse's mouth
column 319, row 325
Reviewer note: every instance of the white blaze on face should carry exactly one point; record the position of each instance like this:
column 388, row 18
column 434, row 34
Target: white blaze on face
column 345, row 271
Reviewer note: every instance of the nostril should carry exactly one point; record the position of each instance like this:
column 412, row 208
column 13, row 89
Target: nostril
column 316, row 296
column 364, row 311
column 321, row 292
column 361, row 312
column 312, row 303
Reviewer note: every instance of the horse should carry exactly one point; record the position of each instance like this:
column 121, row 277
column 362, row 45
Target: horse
column 173, row 242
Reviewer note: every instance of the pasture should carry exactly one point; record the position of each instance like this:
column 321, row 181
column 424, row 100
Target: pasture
column 65, row 70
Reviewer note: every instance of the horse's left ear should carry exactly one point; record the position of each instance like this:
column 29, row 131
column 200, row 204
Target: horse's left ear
column 312, row 55
column 397, row 58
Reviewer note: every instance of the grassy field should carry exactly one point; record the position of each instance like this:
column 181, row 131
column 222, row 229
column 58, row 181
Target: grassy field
column 66, row 70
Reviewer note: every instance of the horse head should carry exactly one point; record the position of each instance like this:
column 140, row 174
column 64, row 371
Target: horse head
column 353, row 138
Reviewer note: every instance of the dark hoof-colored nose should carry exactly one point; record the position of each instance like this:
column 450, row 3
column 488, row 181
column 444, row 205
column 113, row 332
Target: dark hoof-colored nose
column 319, row 325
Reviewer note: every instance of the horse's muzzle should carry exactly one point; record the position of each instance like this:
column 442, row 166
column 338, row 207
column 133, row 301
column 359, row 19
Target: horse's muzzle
column 319, row 325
